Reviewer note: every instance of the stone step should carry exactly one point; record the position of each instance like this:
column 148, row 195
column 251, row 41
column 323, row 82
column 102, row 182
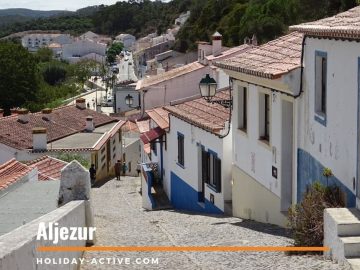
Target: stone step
column 351, row 246
column 354, row 263
column 348, row 220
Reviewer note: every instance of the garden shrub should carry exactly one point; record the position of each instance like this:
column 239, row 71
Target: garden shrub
column 306, row 219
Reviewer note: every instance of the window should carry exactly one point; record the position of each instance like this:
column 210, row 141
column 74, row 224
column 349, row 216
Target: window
column 242, row 109
column 180, row 149
column 211, row 170
column 320, row 83
column 264, row 117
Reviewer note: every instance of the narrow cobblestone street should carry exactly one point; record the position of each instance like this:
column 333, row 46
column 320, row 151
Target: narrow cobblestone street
column 121, row 221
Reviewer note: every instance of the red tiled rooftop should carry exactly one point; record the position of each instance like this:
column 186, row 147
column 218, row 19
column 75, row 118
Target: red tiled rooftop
column 152, row 135
column 342, row 25
column 160, row 117
column 143, row 125
column 171, row 74
column 12, row 171
column 269, row 60
column 49, row 168
column 129, row 126
column 66, row 121
column 199, row 112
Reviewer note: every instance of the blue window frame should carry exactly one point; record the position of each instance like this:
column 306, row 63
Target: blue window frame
column 320, row 87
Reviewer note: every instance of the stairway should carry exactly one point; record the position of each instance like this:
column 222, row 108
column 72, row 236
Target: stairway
column 162, row 202
column 345, row 245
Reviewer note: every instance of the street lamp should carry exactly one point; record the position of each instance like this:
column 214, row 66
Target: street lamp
column 129, row 100
column 208, row 88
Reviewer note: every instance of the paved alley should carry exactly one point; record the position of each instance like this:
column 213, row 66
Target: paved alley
column 121, row 221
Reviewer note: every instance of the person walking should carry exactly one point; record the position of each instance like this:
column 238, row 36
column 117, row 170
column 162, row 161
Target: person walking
column 118, row 169
column 92, row 172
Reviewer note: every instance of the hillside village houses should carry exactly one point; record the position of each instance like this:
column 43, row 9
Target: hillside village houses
column 35, row 41
column 69, row 129
column 127, row 40
column 183, row 82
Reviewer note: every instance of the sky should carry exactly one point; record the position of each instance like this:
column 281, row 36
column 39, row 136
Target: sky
column 71, row 5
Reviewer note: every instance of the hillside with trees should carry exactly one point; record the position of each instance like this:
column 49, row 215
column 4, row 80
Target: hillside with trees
column 235, row 19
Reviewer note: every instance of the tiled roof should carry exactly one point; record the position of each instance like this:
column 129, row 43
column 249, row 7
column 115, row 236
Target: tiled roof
column 342, row 25
column 152, row 135
column 160, row 117
column 65, row 121
column 12, row 171
column 229, row 52
column 49, row 168
column 143, row 125
column 129, row 126
column 176, row 72
column 200, row 113
column 269, row 60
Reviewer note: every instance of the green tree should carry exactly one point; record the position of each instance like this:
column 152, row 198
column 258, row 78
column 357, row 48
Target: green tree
column 54, row 73
column 44, row 55
column 19, row 80
column 83, row 71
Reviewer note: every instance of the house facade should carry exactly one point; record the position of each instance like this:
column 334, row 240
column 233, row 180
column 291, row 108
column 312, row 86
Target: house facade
column 329, row 116
column 197, row 174
column 72, row 130
column 41, row 40
column 266, row 83
column 84, row 49
column 127, row 40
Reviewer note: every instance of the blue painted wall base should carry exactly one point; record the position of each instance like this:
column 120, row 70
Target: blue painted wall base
column 311, row 170
column 184, row 197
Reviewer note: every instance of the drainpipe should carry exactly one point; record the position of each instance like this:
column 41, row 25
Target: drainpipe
column 161, row 162
column 302, row 67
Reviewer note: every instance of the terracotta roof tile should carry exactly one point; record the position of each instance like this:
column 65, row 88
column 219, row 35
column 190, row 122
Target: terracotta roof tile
column 160, row 117
column 143, row 125
column 130, row 126
column 173, row 73
column 152, row 135
column 12, row 171
column 65, row 121
column 49, row 168
column 269, row 60
column 342, row 25
column 198, row 112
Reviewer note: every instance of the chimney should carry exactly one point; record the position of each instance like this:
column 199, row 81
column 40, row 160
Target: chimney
column 254, row 41
column 46, row 114
column 80, row 103
column 216, row 44
column 23, row 116
column 89, row 124
column 39, row 138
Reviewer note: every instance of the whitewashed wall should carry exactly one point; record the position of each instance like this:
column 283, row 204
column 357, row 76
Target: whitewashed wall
column 192, row 167
column 333, row 145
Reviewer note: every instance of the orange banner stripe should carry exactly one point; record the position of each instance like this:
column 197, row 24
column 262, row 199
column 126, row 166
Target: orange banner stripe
column 180, row 248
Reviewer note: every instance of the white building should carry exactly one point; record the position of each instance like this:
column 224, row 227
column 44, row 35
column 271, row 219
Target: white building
column 266, row 83
column 127, row 40
column 121, row 92
column 328, row 134
column 41, row 40
column 197, row 172
column 84, row 49
column 183, row 82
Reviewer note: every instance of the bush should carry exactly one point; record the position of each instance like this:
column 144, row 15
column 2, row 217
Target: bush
column 306, row 219
column 68, row 157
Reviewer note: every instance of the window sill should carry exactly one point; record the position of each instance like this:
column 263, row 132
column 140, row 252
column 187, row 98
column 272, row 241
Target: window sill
column 180, row 165
column 242, row 131
column 320, row 118
column 265, row 143
column 212, row 188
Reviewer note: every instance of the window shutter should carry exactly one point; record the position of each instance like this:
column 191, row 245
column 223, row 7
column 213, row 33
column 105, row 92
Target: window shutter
column 205, row 166
column 217, row 174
